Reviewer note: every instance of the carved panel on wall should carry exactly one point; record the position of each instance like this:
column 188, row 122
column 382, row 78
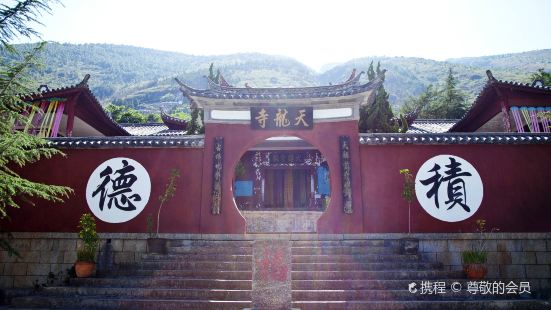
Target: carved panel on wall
column 217, row 170
column 344, row 142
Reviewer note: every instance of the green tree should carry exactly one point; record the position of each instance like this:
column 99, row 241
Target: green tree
column 377, row 117
column 445, row 103
column 18, row 148
column 153, row 118
column 370, row 72
column 543, row 76
column 122, row 114
column 452, row 99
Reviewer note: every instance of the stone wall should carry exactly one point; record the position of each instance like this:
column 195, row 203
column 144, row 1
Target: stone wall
column 47, row 255
column 511, row 256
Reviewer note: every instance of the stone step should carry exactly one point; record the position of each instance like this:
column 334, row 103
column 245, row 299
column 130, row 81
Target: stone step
column 211, row 250
column 100, row 302
column 424, row 305
column 363, row 243
column 210, row 243
column 349, row 284
column 193, row 265
column 341, row 258
column 376, row 275
column 191, row 274
column 409, row 266
column 155, row 293
column 346, row 250
column 197, row 257
column 163, row 282
column 390, row 294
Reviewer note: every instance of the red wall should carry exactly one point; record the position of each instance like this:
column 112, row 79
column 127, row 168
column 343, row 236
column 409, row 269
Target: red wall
column 180, row 214
column 515, row 180
column 240, row 137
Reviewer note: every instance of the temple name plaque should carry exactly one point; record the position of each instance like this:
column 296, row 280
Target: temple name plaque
column 286, row 118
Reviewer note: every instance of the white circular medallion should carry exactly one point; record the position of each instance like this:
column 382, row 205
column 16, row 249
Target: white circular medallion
column 118, row 190
column 449, row 188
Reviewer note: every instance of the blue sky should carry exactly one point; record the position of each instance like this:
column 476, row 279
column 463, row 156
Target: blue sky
column 313, row 32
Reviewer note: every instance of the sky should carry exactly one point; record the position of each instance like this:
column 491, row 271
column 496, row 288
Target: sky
column 313, row 32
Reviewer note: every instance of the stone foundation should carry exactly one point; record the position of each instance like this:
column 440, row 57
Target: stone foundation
column 281, row 221
column 511, row 256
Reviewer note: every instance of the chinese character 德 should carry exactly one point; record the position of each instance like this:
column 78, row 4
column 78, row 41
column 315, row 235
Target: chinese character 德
column 120, row 186
column 261, row 118
column 281, row 118
column 300, row 118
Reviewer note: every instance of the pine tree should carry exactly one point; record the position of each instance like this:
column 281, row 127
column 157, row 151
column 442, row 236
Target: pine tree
column 452, row 100
column 378, row 116
column 370, row 72
column 18, row 148
column 445, row 103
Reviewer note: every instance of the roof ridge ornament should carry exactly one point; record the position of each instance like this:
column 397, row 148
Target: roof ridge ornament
column 84, row 81
column 43, row 88
column 538, row 83
column 490, row 76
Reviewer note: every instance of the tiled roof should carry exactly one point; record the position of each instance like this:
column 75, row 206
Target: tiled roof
column 45, row 92
column 195, row 141
column 431, row 125
column 350, row 87
column 454, row 138
column 486, row 92
column 151, row 129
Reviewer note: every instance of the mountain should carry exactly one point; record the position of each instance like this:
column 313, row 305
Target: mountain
column 144, row 78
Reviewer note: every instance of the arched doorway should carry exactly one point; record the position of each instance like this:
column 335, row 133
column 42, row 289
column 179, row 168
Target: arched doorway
column 282, row 184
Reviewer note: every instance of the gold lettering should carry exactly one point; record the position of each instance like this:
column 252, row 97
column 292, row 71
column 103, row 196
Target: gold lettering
column 261, row 118
column 300, row 118
column 281, row 118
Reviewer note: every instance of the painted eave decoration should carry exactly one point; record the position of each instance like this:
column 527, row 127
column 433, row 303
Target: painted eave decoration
column 87, row 106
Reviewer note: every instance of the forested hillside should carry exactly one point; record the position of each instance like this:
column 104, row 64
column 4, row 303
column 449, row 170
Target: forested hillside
column 143, row 78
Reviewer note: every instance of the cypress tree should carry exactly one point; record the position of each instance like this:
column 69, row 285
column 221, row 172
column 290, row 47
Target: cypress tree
column 18, row 148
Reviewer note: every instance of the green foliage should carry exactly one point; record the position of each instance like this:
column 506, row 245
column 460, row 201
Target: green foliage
column 445, row 103
column 170, row 188
column 378, row 116
column 90, row 239
column 18, row 148
column 15, row 20
column 196, row 124
column 169, row 192
column 474, row 257
column 478, row 254
column 543, row 76
column 122, row 114
column 153, row 118
column 370, row 72
column 142, row 78
column 408, row 190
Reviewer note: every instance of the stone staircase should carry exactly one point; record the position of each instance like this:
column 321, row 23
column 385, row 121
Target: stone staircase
column 194, row 274
column 335, row 274
column 370, row 274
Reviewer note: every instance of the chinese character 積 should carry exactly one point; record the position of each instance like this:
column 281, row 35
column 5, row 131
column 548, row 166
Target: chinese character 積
column 300, row 118
column 456, row 189
column 261, row 118
column 281, row 118
column 456, row 185
column 121, row 185
column 435, row 180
